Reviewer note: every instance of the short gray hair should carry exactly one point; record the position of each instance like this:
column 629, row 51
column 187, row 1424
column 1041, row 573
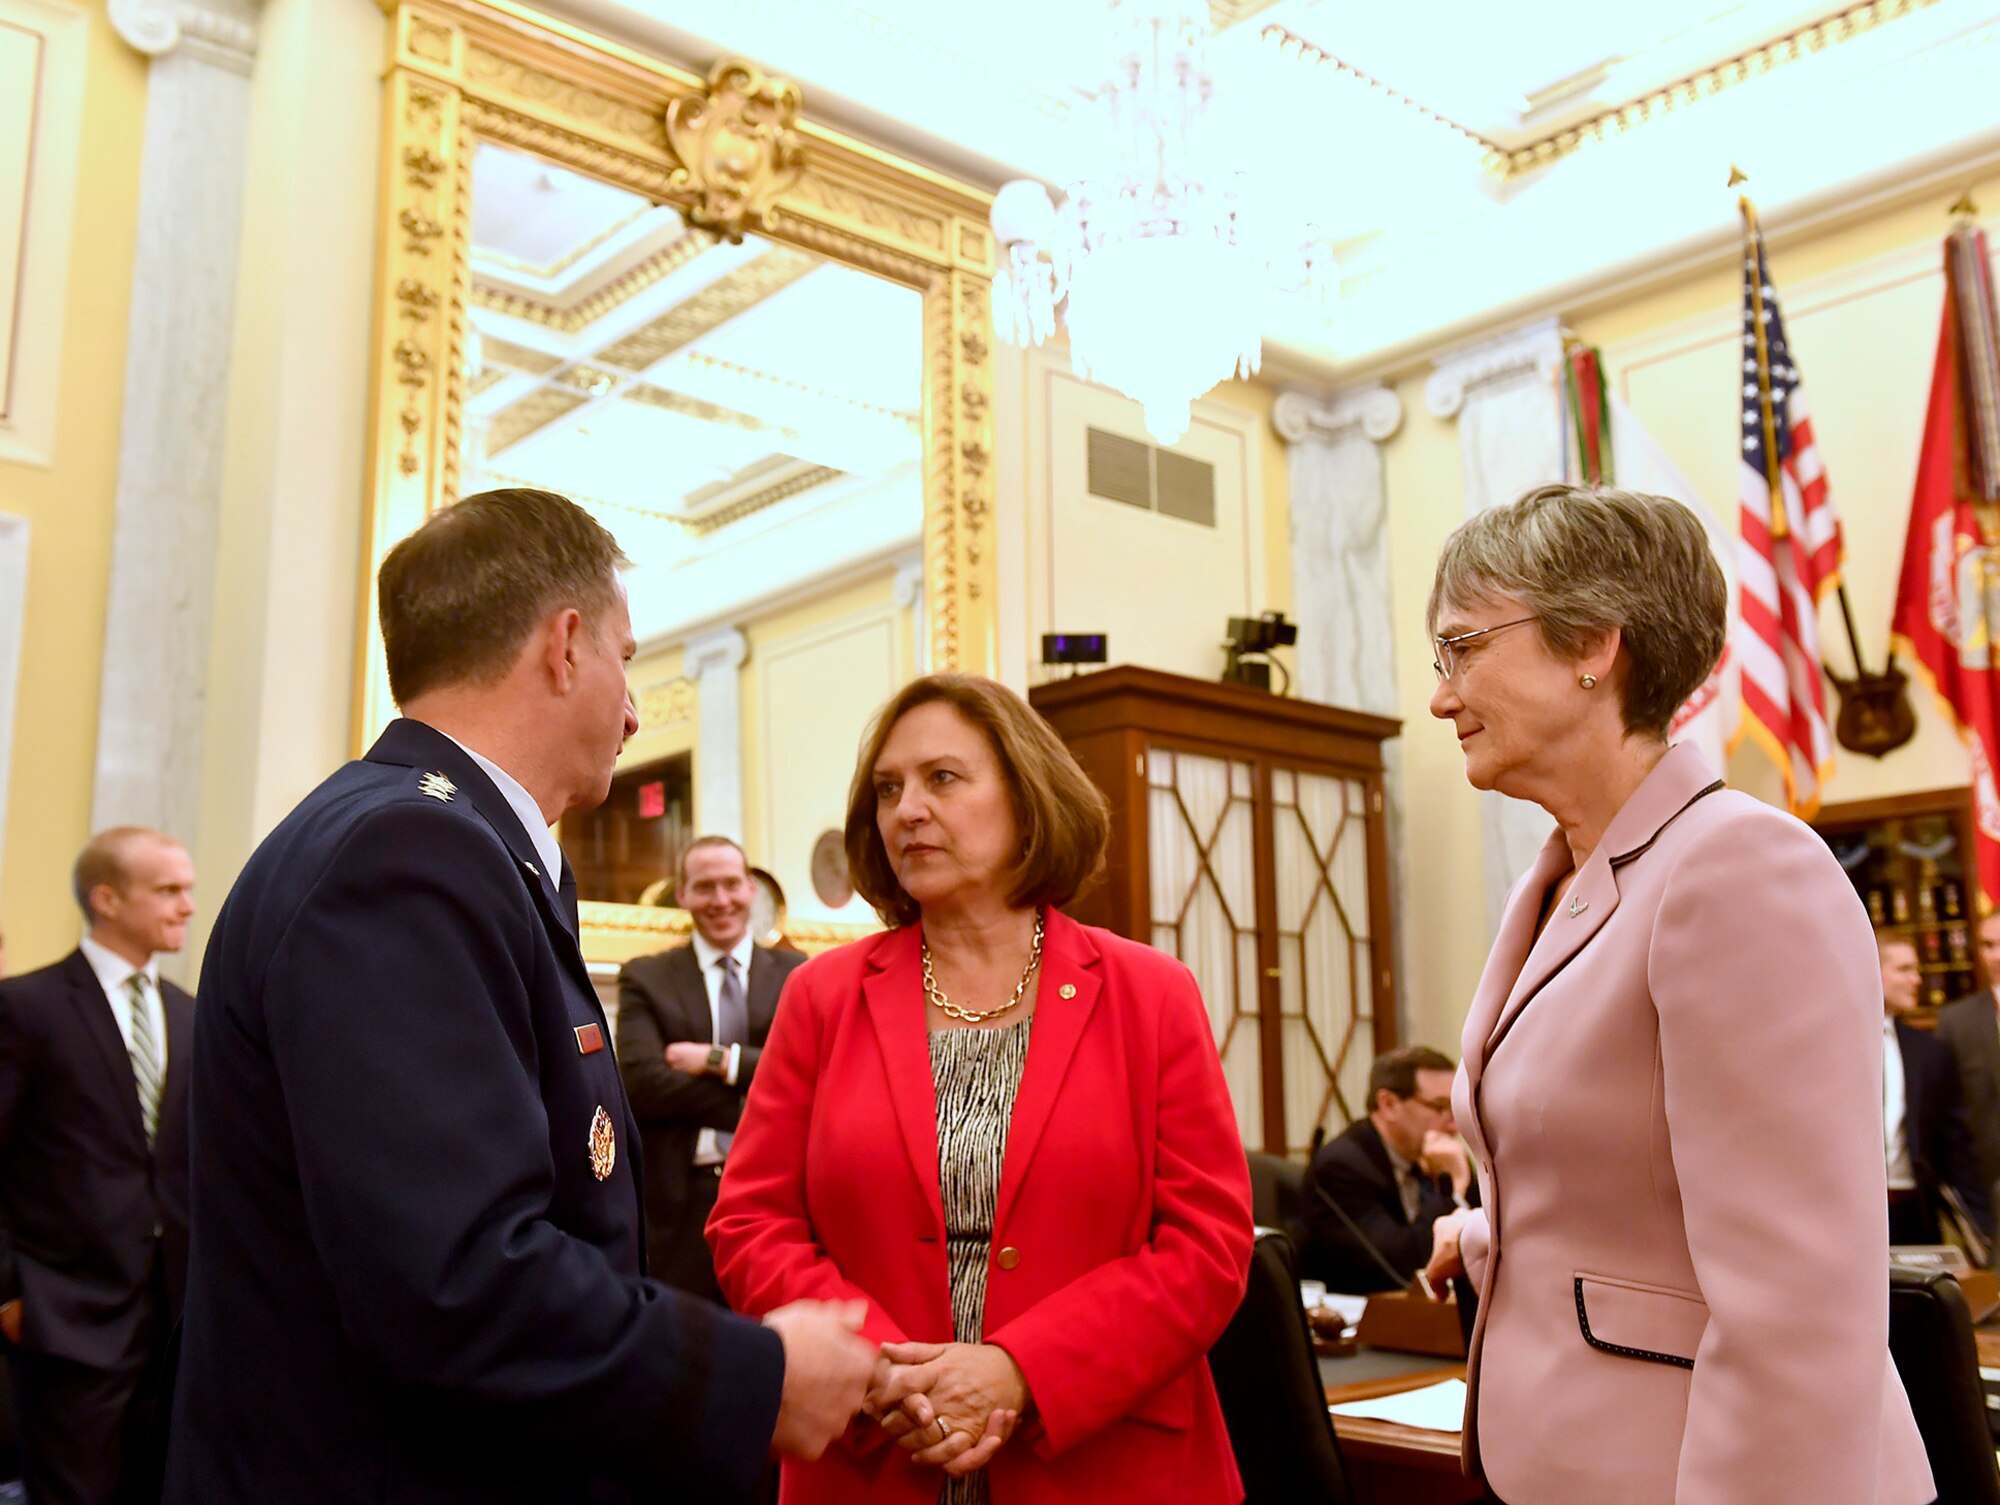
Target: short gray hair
column 1585, row 561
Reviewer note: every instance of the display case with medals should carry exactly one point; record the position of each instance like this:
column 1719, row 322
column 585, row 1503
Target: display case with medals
column 1909, row 857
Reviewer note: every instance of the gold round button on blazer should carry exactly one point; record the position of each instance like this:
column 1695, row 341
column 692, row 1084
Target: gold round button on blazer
column 1008, row 1257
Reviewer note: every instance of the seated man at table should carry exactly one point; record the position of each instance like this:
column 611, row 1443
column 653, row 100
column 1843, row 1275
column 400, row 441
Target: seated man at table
column 1392, row 1175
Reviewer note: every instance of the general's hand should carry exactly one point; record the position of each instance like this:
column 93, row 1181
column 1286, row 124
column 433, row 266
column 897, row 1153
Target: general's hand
column 1444, row 1155
column 827, row 1369
column 950, row 1405
column 1445, row 1261
column 688, row 1055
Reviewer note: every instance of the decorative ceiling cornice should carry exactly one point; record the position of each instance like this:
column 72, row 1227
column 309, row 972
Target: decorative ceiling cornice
column 1505, row 162
column 526, row 415
column 693, row 407
column 585, row 311
column 796, row 481
column 715, row 305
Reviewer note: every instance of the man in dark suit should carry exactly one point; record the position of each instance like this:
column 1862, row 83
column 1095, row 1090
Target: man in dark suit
column 691, row 1023
column 93, row 1175
column 1971, row 1027
column 1926, row 1149
column 418, row 1242
column 1393, row 1173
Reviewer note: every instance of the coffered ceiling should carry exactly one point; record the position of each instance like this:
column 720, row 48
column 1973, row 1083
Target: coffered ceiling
column 698, row 397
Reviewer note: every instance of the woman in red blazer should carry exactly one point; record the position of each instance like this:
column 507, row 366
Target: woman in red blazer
column 1006, row 1132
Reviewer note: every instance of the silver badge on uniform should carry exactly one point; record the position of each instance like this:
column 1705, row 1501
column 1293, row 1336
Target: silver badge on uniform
column 437, row 786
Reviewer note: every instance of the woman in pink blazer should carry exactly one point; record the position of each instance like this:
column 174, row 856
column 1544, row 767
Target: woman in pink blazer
column 1006, row 1134
column 1672, row 1068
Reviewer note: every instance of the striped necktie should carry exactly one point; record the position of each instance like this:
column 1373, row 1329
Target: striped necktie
column 145, row 1050
column 732, row 1023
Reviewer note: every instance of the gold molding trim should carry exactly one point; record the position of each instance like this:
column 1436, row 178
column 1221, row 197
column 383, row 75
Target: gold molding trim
column 629, row 930
column 693, row 407
column 499, row 352
column 462, row 71
column 770, row 496
column 528, row 415
column 715, row 305
column 587, row 310
column 1505, row 162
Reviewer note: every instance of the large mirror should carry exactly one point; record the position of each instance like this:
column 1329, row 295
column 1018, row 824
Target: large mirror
column 756, row 352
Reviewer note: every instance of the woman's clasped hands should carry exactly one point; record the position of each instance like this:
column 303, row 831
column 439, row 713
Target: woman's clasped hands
column 949, row 1405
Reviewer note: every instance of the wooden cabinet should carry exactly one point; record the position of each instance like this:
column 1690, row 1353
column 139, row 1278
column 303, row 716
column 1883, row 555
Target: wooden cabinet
column 1248, row 839
column 1910, row 859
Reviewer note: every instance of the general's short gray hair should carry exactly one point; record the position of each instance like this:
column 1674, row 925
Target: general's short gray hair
column 1585, row 561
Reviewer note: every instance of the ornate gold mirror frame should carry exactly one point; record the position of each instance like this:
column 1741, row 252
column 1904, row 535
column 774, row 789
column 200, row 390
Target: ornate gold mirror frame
column 733, row 152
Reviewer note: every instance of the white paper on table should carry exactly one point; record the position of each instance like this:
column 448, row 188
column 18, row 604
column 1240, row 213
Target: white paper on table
column 1435, row 1408
column 1349, row 1307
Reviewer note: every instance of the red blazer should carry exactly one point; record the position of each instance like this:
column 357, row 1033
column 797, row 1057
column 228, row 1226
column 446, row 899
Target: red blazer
column 1121, row 1237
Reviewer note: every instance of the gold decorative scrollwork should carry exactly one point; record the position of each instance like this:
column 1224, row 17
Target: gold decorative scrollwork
column 737, row 147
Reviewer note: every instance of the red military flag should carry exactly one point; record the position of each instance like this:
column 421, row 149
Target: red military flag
column 1948, row 599
column 1789, row 549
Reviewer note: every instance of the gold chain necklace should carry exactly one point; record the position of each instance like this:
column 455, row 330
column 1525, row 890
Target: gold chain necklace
column 979, row 1016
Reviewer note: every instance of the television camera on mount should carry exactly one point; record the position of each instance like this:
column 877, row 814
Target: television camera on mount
column 1250, row 646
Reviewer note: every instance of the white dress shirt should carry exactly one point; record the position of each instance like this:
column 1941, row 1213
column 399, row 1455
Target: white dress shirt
column 523, row 805
column 1895, row 1139
column 707, row 957
column 114, row 975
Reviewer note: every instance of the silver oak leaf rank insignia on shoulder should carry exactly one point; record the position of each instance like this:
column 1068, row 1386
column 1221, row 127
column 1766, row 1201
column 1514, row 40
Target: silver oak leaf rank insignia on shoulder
column 437, row 786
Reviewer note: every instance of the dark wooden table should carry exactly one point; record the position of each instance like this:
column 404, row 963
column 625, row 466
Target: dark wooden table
column 1389, row 1463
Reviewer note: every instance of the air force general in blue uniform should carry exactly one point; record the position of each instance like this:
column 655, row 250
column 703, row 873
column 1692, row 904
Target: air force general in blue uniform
column 417, row 1226
column 417, row 1253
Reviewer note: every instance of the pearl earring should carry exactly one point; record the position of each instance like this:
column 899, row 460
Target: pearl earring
column 1588, row 681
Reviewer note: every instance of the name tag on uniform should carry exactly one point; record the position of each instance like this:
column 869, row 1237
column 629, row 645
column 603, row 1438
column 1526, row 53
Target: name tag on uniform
column 589, row 1039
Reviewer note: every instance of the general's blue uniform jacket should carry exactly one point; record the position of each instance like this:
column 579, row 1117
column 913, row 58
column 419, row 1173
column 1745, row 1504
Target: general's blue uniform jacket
column 413, row 1277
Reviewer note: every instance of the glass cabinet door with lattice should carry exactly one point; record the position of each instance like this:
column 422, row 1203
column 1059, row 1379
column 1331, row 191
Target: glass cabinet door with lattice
column 1248, row 839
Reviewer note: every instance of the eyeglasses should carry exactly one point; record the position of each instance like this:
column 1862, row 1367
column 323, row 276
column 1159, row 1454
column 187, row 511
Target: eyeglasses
column 1447, row 662
column 1435, row 1104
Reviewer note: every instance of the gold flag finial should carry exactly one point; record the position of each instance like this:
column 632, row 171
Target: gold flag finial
column 1964, row 208
column 1737, row 175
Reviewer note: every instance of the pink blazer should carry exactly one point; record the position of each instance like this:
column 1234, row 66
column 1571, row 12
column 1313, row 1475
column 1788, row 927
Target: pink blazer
column 1121, row 1239
column 1674, row 1099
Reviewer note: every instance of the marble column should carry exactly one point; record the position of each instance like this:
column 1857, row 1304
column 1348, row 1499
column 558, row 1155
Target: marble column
column 1341, row 596
column 173, row 428
column 1505, row 395
column 13, row 609
column 909, row 596
column 714, row 663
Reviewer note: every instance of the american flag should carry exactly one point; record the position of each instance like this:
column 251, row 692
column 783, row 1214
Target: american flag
column 1789, row 552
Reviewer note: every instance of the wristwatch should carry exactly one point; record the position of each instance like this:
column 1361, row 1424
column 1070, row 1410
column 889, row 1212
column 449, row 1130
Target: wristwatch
column 716, row 1056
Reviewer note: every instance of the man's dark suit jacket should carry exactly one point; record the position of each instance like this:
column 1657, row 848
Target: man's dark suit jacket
column 1971, row 1027
column 663, row 998
column 1354, row 1170
column 1934, row 1129
column 418, row 1241
column 82, row 1199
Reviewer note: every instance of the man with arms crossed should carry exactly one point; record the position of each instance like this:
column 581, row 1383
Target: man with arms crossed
column 93, row 1176
column 691, row 1024
column 418, row 1239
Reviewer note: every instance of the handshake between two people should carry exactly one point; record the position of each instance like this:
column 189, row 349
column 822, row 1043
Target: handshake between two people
column 948, row 1405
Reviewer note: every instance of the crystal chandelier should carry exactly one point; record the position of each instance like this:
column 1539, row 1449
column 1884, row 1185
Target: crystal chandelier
column 1164, row 258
